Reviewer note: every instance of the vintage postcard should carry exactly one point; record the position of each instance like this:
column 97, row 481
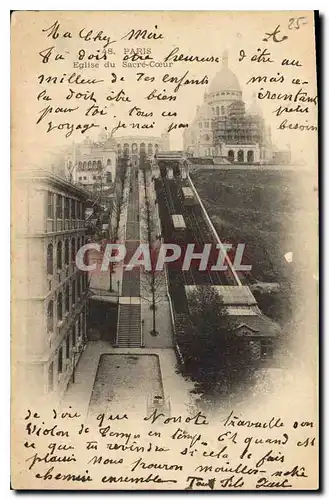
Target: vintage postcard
column 164, row 250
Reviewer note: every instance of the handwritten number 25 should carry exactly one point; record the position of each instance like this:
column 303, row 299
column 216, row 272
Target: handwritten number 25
column 295, row 22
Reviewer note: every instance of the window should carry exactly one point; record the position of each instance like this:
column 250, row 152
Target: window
column 73, row 250
column 73, row 209
column 79, row 285
column 108, row 161
column 50, row 317
column 78, row 244
column 67, row 347
column 67, row 208
column 80, row 178
column 59, row 206
column 60, row 360
column 50, row 211
column 60, row 307
column 79, row 326
column 250, row 156
column 50, row 259
column 85, row 178
column 67, row 252
column 99, row 165
column 59, row 255
column 73, row 336
column 223, row 110
column 94, row 177
column 82, row 323
column 73, row 292
column 217, row 110
column 108, row 177
column 67, row 298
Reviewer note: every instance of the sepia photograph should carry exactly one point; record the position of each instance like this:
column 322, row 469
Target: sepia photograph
column 164, row 311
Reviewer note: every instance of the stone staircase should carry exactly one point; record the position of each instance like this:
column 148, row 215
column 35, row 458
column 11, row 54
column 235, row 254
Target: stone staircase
column 129, row 325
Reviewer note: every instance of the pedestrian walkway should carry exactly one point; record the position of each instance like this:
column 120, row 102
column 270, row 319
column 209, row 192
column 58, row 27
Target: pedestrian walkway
column 129, row 318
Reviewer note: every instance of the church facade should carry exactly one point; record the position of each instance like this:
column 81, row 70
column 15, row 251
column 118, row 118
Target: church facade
column 224, row 128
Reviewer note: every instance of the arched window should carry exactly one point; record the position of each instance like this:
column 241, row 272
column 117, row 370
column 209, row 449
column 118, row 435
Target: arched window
column 94, row 164
column 240, row 156
column 50, row 317
column 217, row 110
column 250, row 156
column 60, row 307
column 230, row 155
column 59, row 260
column 223, row 110
column 50, row 259
column 206, row 124
column 84, row 165
column 134, row 148
column 156, row 149
column 99, row 165
column 150, row 149
column 67, row 253
column 142, row 148
column 109, row 161
column 73, row 250
column 67, row 298
column 89, row 165
column 80, row 165
column 70, row 165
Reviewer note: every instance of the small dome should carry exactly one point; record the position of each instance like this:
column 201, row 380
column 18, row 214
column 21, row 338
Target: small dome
column 225, row 79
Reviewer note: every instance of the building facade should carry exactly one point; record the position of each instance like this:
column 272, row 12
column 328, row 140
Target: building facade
column 50, row 292
column 224, row 128
column 92, row 164
column 137, row 146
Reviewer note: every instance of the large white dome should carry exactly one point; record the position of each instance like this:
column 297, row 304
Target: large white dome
column 225, row 80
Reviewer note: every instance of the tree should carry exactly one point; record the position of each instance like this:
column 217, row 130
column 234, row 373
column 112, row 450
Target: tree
column 215, row 358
